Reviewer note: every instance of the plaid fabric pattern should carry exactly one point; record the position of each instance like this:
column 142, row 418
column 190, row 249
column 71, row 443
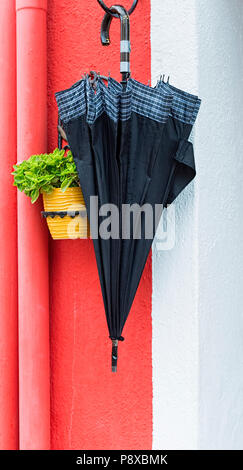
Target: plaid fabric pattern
column 72, row 102
column 148, row 102
column 81, row 99
column 185, row 106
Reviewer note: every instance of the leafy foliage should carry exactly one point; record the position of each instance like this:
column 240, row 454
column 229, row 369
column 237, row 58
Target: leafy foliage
column 43, row 173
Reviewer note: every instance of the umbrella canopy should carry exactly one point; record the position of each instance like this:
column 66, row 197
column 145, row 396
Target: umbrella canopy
column 173, row 169
column 130, row 147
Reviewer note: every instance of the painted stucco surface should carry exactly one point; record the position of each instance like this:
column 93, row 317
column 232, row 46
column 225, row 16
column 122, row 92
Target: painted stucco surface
column 197, row 293
column 174, row 301
column 91, row 408
column 219, row 143
column 195, row 334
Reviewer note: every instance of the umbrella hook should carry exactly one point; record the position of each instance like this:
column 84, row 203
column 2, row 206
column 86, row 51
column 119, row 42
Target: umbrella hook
column 110, row 12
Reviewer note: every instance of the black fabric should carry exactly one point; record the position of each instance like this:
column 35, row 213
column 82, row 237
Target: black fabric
column 173, row 170
column 128, row 152
column 134, row 161
column 113, row 161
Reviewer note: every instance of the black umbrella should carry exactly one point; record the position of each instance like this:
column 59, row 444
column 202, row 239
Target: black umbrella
column 173, row 169
column 130, row 147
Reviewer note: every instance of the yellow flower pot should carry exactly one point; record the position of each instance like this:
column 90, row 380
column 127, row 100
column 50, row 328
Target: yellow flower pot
column 66, row 227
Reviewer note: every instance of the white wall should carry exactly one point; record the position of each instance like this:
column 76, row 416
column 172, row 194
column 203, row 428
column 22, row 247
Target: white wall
column 219, row 151
column 174, row 302
column 197, row 294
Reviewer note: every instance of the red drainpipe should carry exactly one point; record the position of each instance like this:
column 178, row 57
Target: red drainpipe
column 8, row 233
column 34, row 372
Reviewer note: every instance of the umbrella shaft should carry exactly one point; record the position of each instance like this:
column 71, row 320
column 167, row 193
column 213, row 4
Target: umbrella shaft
column 125, row 56
column 125, row 46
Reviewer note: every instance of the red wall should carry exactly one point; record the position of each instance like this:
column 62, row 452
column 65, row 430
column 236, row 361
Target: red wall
column 91, row 408
column 8, row 233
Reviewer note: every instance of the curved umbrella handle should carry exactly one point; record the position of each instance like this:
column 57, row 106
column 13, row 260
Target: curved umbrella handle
column 105, row 29
column 125, row 46
column 105, row 26
column 108, row 10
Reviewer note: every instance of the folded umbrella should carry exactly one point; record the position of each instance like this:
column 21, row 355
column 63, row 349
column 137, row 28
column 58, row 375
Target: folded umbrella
column 130, row 145
column 114, row 136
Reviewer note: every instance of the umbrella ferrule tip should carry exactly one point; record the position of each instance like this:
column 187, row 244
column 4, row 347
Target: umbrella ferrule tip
column 114, row 355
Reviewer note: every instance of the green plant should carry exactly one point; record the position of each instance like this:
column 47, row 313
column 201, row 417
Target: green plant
column 43, row 173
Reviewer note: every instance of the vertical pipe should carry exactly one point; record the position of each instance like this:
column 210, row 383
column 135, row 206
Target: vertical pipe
column 34, row 373
column 8, row 232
